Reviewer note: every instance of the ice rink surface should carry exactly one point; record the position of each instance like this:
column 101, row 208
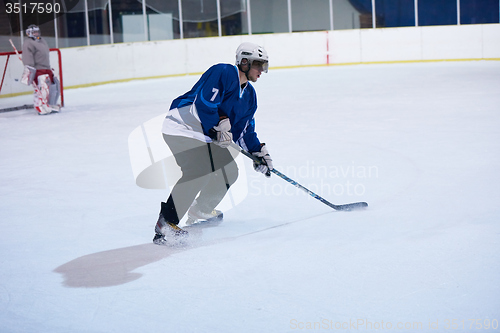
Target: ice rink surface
column 419, row 142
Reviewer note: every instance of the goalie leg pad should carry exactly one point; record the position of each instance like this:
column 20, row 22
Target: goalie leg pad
column 40, row 97
column 54, row 92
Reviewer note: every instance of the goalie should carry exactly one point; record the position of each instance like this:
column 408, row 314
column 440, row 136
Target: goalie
column 37, row 72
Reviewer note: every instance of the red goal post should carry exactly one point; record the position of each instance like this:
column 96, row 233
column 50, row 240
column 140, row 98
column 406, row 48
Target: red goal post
column 11, row 69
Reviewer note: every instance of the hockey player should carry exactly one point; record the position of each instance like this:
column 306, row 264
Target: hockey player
column 199, row 127
column 36, row 55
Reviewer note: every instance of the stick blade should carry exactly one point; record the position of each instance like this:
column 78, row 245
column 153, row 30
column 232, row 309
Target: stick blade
column 351, row 206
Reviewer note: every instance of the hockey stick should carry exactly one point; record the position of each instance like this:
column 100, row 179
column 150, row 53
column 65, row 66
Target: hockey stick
column 15, row 49
column 345, row 207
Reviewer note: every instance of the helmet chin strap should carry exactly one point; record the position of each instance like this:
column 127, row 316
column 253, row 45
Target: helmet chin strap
column 240, row 67
column 248, row 64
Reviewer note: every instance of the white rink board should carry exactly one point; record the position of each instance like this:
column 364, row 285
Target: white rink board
column 491, row 41
column 118, row 62
column 188, row 56
column 452, row 42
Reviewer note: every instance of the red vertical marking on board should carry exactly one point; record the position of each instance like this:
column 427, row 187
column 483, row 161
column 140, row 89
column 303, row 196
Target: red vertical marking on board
column 327, row 49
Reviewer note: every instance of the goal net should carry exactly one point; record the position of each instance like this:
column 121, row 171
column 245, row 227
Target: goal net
column 13, row 94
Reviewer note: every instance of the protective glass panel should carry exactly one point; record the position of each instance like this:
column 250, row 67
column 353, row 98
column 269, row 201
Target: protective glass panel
column 269, row 16
column 128, row 21
column 437, row 12
column 234, row 17
column 395, row 13
column 199, row 18
column 310, row 15
column 163, row 19
column 362, row 15
column 479, row 11
column 7, row 32
column 99, row 26
column 72, row 30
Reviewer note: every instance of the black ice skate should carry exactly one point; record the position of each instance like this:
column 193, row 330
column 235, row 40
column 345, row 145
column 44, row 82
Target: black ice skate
column 168, row 233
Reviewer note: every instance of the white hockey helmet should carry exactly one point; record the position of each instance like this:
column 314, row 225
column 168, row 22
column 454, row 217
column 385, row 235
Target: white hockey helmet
column 252, row 52
column 33, row 31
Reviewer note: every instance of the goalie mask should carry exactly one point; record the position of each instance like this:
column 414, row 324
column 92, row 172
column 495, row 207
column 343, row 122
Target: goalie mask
column 33, row 31
column 247, row 53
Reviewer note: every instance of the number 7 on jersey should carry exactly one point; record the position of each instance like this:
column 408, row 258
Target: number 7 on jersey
column 215, row 91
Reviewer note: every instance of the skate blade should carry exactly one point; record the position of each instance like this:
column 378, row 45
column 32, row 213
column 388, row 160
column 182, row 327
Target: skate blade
column 193, row 223
column 173, row 242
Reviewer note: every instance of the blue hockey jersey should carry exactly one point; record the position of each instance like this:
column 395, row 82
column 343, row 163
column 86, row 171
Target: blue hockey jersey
column 217, row 93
